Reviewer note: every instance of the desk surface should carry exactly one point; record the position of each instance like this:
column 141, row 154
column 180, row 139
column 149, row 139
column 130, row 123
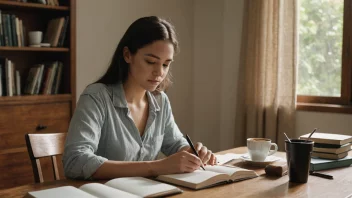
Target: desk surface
column 262, row 186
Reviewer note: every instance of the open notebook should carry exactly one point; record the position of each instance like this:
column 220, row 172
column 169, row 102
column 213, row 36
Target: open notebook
column 129, row 187
column 213, row 175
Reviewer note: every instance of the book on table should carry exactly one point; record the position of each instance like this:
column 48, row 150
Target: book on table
column 328, row 138
column 129, row 187
column 213, row 175
column 317, row 164
column 331, row 148
column 329, row 155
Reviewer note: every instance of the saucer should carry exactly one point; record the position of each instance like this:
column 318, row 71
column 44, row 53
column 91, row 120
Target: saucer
column 268, row 160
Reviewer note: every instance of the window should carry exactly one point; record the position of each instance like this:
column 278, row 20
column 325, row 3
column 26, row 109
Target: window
column 324, row 65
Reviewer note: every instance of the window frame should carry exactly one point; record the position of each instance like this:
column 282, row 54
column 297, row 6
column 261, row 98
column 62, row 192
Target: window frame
column 343, row 103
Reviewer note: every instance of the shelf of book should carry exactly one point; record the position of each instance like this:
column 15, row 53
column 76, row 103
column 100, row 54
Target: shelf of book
column 34, row 99
column 35, row 49
column 31, row 72
column 32, row 6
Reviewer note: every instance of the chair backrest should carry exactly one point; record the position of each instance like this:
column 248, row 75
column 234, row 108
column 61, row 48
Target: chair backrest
column 44, row 145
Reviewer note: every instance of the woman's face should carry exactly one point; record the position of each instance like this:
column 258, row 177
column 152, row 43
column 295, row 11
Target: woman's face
column 150, row 65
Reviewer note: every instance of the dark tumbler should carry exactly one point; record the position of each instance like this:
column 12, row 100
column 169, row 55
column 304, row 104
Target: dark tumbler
column 298, row 154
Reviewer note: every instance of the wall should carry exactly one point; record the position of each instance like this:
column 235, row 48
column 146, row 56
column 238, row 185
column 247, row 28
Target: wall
column 101, row 25
column 217, row 41
column 325, row 122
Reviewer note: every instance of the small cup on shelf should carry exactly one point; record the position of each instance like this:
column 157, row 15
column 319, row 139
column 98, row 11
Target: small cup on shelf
column 35, row 38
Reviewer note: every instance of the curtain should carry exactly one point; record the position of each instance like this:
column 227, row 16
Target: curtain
column 267, row 94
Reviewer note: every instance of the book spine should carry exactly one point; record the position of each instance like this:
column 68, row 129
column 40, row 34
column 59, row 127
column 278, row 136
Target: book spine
column 59, row 74
column 14, row 32
column 9, row 29
column 5, row 32
column 1, row 32
column 13, row 78
column 335, row 164
column 8, row 78
column 18, row 83
column 63, row 32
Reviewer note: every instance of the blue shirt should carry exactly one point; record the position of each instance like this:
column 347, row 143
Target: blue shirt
column 102, row 129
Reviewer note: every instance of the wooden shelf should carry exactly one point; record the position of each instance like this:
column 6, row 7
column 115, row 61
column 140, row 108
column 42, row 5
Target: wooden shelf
column 13, row 150
column 11, row 4
column 34, row 99
column 35, row 49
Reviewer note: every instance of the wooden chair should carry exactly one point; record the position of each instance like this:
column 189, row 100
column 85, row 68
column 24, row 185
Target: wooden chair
column 44, row 145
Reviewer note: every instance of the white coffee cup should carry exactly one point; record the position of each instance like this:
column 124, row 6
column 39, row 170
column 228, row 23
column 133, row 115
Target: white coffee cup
column 35, row 37
column 259, row 148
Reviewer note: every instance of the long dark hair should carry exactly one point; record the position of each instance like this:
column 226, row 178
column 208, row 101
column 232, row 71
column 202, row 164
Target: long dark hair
column 142, row 32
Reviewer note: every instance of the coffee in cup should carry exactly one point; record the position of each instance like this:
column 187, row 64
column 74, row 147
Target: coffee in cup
column 259, row 148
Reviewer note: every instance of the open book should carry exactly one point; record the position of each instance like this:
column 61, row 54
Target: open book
column 213, row 175
column 129, row 187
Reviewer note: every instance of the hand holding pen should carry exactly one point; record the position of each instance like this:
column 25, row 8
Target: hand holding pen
column 205, row 155
column 193, row 149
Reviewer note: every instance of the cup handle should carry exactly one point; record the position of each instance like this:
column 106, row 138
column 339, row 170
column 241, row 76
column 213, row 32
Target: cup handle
column 273, row 151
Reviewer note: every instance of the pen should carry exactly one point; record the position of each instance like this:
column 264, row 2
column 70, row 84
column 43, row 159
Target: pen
column 321, row 175
column 194, row 149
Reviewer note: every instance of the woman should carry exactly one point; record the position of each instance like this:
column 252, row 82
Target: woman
column 122, row 121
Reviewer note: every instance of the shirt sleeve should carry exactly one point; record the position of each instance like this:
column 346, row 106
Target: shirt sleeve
column 79, row 158
column 173, row 138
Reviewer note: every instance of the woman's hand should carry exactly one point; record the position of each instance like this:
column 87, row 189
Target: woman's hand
column 205, row 155
column 180, row 162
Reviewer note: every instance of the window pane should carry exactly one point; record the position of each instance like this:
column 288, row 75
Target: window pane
column 320, row 47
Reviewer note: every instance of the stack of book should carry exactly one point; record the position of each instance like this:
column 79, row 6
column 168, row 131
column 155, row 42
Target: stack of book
column 330, row 146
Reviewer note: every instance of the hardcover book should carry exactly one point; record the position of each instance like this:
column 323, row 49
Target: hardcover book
column 129, row 187
column 325, row 148
column 329, row 155
column 328, row 138
column 317, row 164
column 212, row 176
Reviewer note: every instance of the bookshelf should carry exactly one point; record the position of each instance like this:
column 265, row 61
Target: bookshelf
column 37, row 113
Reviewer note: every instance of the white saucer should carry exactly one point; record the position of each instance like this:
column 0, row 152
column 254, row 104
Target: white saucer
column 268, row 160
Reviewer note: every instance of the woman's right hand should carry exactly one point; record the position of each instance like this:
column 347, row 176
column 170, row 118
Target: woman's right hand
column 180, row 162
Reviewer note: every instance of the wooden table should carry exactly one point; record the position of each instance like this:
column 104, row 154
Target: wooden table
column 262, row 186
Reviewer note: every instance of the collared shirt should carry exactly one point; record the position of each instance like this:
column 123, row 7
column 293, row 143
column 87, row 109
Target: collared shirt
column 102, row 129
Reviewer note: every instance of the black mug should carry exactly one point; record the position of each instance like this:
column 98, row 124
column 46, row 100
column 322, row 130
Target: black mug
column 298, row 154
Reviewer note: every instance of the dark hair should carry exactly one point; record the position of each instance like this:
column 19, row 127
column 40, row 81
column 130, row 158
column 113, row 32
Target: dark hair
column 142, row 32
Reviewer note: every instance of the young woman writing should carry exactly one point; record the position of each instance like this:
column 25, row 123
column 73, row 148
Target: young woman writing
column 123, row 120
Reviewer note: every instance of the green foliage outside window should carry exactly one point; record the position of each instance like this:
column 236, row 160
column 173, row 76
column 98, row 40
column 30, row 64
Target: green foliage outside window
column 320, row 47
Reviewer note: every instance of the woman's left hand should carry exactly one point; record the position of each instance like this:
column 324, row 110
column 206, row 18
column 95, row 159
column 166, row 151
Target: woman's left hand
column 205, row 155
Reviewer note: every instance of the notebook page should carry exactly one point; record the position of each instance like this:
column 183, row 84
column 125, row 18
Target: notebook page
column 196, row 177
column 60, row 192
column 145, row 188
column 103, row 191
column 223, row 159
column 224, row 169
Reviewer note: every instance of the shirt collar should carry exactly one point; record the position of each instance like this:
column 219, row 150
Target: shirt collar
column 119, row 98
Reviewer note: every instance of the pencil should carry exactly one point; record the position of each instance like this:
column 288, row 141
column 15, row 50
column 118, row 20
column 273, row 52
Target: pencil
column 192, row 146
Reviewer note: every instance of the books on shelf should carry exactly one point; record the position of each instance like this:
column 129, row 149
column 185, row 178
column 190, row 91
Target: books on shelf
column 317, row 164
column 213, row 175
column 12, row 32
column 129, row 187
column 9, row 76
column 44, row 2
column 56, row 31
column 44, row 79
